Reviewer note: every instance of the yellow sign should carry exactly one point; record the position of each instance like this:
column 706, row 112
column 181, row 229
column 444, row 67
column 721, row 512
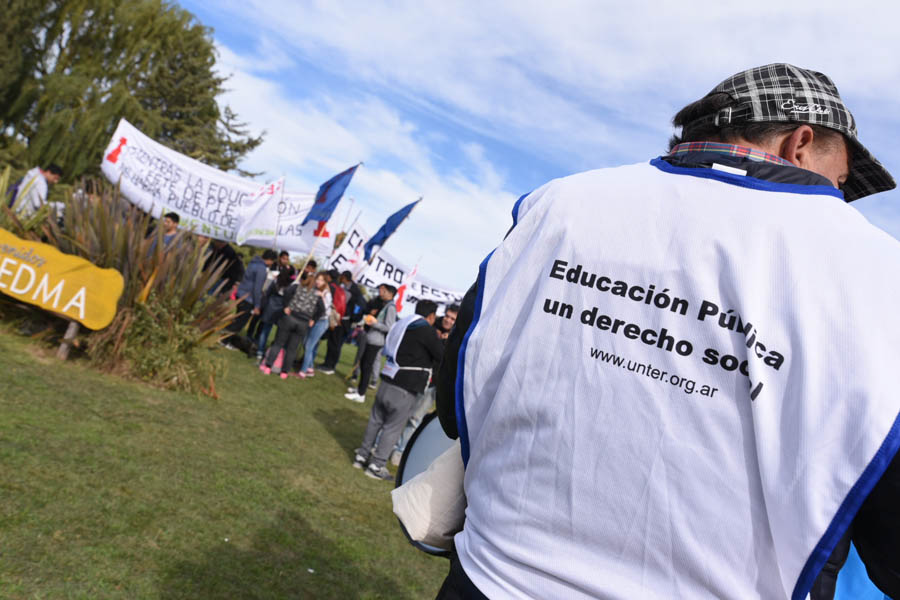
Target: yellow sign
column 40, row 274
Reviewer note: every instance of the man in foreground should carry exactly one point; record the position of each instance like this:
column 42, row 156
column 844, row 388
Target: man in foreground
column 688, row 392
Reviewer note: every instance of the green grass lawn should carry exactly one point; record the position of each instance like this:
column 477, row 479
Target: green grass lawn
column 113, row 489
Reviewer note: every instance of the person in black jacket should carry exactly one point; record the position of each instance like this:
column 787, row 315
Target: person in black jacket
column 250, row 294
column 273, row 309
column 413, row 350
column 222, row 253
column 355, row 305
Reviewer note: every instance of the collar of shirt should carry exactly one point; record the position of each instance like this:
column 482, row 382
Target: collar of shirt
column 756, row 164
column 728, row 150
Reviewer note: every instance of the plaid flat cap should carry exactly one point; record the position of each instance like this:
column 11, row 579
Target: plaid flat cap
column 785, row 93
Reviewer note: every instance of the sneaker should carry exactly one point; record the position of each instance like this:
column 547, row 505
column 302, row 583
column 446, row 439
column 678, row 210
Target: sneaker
column 265, row 370
column 326, row 371
column 354, row 397
column 300, row 374
column 378, row 473
column 352, row 388
column 372, row 386
column 310, row 372
column 283, row 375
column 395, row 458
column 359, row 462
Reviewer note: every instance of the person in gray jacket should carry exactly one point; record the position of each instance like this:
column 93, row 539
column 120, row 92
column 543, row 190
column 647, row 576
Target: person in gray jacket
column 378, row 328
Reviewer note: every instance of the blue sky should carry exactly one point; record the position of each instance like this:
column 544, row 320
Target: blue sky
column 473, row 104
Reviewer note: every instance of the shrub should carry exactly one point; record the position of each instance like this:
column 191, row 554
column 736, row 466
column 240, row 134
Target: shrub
column 169, row 312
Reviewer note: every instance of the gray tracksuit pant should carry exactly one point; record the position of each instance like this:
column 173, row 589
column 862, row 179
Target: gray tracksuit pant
column 390, row 412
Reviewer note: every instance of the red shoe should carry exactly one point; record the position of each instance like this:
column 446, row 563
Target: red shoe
column 265, row 370
column 284, row 375
column 300, row 374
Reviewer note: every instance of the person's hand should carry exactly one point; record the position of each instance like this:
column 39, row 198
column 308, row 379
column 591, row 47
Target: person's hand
column 255, row 311
column 369, row 319
column 311, row 322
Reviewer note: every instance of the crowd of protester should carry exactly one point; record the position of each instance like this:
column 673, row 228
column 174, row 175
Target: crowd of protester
column 285, row 313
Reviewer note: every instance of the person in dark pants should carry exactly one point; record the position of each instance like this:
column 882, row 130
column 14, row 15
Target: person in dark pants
column 378, row 328
column 372, row 307
column 457, row 585
column 250, row 291
column 256, row 325
column 272, row 311
column 355, row 305
column 413, row 351
column 303, row 307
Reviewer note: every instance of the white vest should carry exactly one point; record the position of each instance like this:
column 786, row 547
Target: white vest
column 392, row 343
column 32, row 193
column 680, row 383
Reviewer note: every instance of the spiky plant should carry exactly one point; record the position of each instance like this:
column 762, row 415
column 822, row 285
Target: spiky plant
column 169, row 309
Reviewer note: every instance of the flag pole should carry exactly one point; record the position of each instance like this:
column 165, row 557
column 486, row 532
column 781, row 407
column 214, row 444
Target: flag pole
column 324, row 224
column 316, row 239
column 311, row 251
column 349, row 212
column 344, row 232
column 278, row 218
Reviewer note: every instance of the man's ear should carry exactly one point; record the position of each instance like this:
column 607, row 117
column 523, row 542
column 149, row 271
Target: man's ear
column 797, row 147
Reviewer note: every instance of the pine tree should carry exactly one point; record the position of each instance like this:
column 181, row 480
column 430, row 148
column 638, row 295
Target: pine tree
column 85, row 64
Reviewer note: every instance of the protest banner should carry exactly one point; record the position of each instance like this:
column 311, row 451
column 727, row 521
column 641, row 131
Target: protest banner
column 210, row 202
column 387, row 269
column 70, row 286
column 265, row 195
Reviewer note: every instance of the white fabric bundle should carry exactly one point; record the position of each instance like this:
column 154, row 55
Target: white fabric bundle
column 432, row 505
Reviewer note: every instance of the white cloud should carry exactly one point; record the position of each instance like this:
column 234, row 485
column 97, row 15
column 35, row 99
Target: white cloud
column 580, row 75
column 577, row 84
column 311, row 139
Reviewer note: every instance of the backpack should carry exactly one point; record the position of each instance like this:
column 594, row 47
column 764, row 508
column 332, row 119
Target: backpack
column 339, row 299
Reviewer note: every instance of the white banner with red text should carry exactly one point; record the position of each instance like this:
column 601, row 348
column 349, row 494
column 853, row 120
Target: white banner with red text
column 209, row 201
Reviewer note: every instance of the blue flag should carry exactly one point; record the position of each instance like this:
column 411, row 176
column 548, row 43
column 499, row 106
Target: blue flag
column 329, row 195
column 389, row 227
